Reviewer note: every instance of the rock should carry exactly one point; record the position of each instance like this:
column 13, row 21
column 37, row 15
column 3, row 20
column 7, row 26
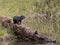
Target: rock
column 6, row 38
column 1, row 39
column 26, row 33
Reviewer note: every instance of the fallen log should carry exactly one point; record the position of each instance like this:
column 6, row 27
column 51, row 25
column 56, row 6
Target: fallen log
column 25, row 33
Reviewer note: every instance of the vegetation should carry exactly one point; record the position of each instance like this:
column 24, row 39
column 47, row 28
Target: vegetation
column 41, row 15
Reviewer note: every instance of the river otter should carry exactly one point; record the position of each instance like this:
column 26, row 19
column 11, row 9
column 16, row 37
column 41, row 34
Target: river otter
column 18, row 19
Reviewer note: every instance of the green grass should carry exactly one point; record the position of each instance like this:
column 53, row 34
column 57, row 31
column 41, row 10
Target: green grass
column 3, row 31
column 31, row 9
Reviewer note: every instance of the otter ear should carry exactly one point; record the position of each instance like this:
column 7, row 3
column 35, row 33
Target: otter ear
column 35, row 32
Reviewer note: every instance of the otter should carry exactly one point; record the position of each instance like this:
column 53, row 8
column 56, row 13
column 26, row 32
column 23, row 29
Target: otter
column 18, row 19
